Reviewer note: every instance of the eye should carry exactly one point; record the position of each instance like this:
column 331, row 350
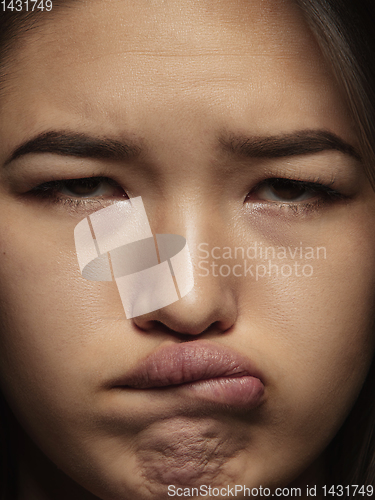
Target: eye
column 290, row 191
column 87, row 187
column 80, row 189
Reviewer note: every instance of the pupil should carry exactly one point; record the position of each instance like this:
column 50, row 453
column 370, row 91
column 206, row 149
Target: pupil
column 287, row 190
column 83, row 186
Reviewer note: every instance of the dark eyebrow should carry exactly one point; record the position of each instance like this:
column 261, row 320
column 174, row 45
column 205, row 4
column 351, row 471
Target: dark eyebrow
column 85, row 146
column 76, row 144
column 298, row 143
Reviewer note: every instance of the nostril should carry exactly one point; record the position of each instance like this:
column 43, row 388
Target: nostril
column 182, row 331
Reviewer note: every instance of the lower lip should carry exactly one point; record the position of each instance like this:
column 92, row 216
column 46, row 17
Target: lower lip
column 243, row 392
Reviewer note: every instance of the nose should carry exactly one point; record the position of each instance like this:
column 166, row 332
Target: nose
column 210, row 307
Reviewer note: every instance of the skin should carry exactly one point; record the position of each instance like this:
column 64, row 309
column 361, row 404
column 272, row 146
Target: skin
column 173, row 78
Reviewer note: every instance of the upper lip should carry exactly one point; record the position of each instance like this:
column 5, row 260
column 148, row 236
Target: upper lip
column 185, row 363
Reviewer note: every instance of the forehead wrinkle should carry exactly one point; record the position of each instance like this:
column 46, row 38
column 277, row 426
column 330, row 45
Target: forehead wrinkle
column 239, row 27
column 86, row 50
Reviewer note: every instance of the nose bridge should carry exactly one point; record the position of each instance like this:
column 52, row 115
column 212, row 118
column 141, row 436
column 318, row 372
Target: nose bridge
column 211, row 301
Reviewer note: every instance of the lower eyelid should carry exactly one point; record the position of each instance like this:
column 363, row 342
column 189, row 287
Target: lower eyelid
column 288, row 210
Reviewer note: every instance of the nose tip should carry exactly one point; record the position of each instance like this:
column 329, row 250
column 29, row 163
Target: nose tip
column 204, row 309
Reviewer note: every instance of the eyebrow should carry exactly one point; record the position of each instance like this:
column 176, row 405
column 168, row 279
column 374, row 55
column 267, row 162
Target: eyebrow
column 294, row 144
column 85, row 146
column 78, row 145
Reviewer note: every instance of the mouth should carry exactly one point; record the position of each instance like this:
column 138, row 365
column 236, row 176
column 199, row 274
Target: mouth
column 198, row 369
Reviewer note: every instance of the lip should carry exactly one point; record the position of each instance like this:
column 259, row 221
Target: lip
column 199, row 369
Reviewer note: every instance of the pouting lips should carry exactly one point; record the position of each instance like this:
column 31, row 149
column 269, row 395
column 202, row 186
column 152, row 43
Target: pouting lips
column 206, row 369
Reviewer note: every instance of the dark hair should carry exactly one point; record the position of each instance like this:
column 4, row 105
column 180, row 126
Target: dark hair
column 345, row 32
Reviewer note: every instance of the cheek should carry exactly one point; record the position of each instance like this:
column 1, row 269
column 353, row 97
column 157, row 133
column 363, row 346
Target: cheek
column 314, row 334
column 51, row 318
column 315, row 288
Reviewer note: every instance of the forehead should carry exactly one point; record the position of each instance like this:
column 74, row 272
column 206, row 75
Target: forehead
column 129, row 61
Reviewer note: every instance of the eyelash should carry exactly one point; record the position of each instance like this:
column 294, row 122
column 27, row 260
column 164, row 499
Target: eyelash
column 325, row 196
column 49, row 189
column 313, row 185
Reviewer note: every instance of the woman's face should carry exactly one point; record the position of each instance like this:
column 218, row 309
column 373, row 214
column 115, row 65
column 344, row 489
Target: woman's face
column 212, row 102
